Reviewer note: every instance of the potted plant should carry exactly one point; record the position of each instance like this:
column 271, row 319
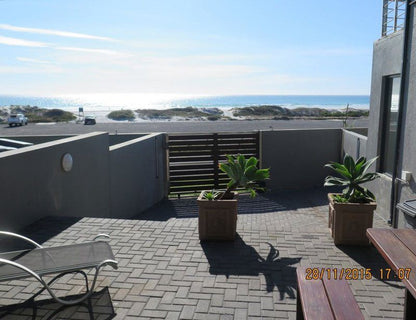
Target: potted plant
column 217, row 214
column 351, row 212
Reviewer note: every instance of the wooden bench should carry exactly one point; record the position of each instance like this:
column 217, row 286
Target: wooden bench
column 398, row 248
column 325, row 299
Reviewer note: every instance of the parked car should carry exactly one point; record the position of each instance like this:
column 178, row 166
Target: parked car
column 89, row 120
column 17, row 119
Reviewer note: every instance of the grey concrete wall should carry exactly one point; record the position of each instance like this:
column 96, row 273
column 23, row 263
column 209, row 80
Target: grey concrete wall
column 408, row 146
column 354, row 144
column 38, row 139
column 138, row 175
column 361, row 131
column 381, row 188
column 387, row 53
column 113, row 138
column 120, row 138
column 387, row 60
column 387, row 57
column 117, row 181
column 297, row 157
column 33, row 184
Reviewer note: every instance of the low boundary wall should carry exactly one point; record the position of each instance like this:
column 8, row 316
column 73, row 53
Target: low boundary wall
column 296, row 158
column 126, row 178
column 354, row 144
column 34, row 185
column 101, row 182
column 137, row 175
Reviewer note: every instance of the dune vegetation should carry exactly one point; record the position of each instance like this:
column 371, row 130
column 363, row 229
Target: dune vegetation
column 121, row 115
column 36, row 114
column 187, row 113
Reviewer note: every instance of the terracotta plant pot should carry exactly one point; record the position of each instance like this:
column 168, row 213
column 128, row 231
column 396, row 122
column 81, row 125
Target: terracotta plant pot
column 348, row 222
column 217, row 219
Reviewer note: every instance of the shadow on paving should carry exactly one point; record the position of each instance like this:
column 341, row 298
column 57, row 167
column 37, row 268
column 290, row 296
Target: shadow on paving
column 369, row 258
column 263, row 203
column 40, row 231
column 98, row 307
column 188, row 208
column 236, row 258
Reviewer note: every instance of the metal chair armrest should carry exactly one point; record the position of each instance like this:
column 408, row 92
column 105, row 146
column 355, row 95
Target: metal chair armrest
column 110, row 262
column 15, row 235
column 102, row 235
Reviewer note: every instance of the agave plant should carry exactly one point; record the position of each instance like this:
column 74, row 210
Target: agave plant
column 243, row 173
column 211, row 195
column 353, row 174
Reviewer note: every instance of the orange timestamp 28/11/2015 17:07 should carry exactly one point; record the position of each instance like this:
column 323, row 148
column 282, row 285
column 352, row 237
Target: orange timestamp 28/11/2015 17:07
column 357, row 273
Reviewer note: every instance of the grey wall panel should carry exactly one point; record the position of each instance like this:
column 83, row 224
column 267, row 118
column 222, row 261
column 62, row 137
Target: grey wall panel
column 34, row 185
column 354, row 144
column 138, row 175
column 297, row 157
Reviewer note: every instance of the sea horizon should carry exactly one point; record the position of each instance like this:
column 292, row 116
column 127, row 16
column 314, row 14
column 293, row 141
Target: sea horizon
column 134, row 101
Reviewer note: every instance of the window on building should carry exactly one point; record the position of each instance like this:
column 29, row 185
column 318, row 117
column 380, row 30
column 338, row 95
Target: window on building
column 391, row 111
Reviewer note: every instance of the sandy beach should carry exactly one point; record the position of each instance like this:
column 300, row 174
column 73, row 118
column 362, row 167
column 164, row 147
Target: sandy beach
column 217, row 114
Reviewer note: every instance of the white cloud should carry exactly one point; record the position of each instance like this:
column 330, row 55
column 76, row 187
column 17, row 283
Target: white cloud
column 20, row 42
column 320, row 52
column 89, row 50
column 196, row 71
column 282, row 71
column 31, row 60
column 54, row 32
column 41, row 69
column 28, row 43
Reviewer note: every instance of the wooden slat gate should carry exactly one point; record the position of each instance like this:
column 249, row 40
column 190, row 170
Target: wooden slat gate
column 194, row 159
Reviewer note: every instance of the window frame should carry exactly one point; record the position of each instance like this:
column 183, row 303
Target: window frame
column 386, row 104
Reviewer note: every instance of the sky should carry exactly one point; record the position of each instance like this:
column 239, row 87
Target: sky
column 215, row 47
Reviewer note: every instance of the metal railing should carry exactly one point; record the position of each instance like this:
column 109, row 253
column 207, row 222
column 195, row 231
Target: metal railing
column 394, row 13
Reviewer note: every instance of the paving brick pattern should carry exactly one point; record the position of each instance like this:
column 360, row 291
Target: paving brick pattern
column 166, row 273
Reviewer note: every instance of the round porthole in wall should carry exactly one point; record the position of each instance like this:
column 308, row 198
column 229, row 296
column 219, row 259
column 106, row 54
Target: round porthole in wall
column 67, row 162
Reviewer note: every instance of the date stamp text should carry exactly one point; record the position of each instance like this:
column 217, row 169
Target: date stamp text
column 357, row 273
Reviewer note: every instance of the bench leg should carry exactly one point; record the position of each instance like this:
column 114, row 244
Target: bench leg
column 299, row 311
column 409, row 306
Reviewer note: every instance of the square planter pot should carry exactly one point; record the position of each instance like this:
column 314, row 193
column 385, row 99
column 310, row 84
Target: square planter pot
column 348, row 222
column 217, row 219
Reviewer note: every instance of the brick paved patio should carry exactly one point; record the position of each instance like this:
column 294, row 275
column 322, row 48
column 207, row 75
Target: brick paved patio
column 165, row 272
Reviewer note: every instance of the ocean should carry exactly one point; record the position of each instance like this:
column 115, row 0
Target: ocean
column 108, row 101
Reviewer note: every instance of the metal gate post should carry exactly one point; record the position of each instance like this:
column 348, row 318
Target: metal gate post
column 215, row 153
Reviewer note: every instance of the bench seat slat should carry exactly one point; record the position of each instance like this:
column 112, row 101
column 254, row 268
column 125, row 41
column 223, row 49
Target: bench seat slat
column 395, row 253
column 341, row 298
column 315, row 304
column 408, row 237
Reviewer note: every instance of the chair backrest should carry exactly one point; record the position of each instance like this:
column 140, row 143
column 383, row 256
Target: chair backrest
column 59, row 259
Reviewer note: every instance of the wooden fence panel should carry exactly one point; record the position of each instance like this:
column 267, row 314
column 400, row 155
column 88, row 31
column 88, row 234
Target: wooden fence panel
column 194, row 159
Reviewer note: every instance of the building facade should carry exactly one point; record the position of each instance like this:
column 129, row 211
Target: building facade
column 392, row 126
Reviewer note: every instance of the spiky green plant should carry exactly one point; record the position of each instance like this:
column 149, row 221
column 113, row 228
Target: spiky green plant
column 353, row 174
column 243, row 173
column 211, row 195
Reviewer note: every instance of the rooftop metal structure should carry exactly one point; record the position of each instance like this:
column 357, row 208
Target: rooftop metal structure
column 394, row 13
